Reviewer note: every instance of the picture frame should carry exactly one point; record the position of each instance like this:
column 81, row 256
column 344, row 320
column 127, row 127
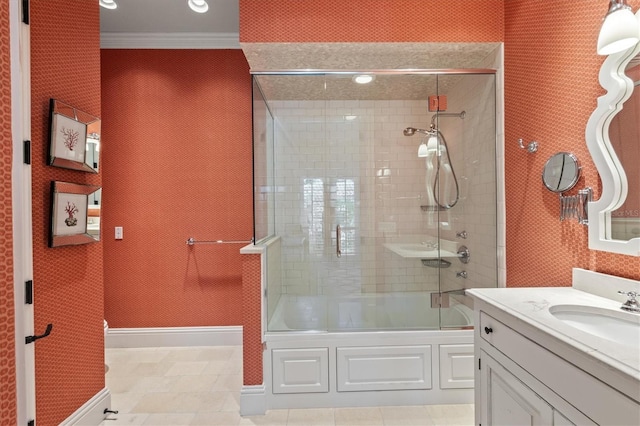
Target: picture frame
column 72, row 214
column 74, row 138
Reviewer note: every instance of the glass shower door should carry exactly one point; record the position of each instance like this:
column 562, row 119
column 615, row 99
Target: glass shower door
column 467, row 188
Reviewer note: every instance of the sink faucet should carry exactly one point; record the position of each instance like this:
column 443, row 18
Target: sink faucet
column 631, row 305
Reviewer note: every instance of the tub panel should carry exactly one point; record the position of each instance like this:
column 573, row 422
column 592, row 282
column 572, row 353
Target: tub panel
column 300, row 370
column 383, row 368
column 456, row 366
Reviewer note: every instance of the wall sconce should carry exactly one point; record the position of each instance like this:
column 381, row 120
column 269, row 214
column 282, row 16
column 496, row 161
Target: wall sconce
column 108, row 4
column 199, row 6
column 620, row 29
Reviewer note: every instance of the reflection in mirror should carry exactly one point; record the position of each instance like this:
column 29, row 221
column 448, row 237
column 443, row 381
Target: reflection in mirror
column 624, row 132
column 93, row 214
column 561, row 172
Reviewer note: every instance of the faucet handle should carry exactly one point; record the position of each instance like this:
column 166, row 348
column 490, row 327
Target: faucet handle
column 630, row 294
column 631, row 305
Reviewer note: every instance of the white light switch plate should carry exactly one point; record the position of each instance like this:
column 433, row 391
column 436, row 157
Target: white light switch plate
column 118, row 232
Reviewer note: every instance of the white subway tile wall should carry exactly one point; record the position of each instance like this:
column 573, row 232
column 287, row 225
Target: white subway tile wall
column 348, row 163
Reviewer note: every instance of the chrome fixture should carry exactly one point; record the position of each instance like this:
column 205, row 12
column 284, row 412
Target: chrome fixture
column 620, row 29
column 192, row 241
column 462, row 234
column 461, row 274
column 631, row 305
column 199, row 6
column 463, row 254
column 431, row 146
column 436, row 263
column 108, row 4
column 575, row 206
column 531, row 146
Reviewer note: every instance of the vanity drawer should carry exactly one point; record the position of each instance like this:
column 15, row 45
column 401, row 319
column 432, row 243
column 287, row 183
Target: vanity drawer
column 601, row 403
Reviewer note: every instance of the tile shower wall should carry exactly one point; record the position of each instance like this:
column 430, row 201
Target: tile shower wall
column 472, row 149
column 348, row 163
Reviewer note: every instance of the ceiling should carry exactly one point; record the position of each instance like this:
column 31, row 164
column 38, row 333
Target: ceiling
column 171, row 24
column 152, row 23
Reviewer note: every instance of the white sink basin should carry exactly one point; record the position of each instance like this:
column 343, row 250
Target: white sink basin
column 616, row 326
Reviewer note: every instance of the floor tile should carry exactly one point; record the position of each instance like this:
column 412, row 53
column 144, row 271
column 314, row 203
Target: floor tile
column 360, row 416
column 183, row 419
column 271, row 418
column 311, row 417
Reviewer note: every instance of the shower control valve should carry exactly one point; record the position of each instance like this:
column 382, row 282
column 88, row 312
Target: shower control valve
column 462, row 234
column 461, row 274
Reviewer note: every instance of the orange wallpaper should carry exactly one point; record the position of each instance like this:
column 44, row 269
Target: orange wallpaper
column 8, row 408
column 176, row 164
column 551, row 87
column 371, row 21
column 65, row 64
column 251, row 320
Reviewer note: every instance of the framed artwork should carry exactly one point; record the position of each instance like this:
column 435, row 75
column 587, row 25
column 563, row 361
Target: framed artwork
column 72, row 214
column 74, row 138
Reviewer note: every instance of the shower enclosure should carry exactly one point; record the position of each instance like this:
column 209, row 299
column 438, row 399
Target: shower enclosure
column 377, row 205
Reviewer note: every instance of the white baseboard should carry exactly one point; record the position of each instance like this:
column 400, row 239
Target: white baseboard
column 92, row 411
column 253, row 400
column 173, row 336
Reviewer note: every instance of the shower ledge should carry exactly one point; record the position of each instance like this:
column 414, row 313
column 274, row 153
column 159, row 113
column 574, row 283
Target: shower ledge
column 423, row 251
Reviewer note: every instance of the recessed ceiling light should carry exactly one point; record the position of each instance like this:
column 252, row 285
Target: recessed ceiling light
column 350, row 117
column 108, row 4
column 363, row 78
column 199, row 6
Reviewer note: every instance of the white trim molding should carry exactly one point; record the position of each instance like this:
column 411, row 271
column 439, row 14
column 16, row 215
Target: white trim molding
column 253, row 400
column 91, row 412
column 173, row 337
column 113, row 40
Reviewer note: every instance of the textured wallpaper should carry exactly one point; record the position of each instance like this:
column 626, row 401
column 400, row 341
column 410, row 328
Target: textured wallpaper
column 68, row 286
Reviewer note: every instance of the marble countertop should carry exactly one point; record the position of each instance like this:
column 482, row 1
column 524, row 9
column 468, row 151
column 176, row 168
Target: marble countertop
column 531, row 306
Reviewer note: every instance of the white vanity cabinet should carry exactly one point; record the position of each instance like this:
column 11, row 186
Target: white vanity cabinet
column 525, row 376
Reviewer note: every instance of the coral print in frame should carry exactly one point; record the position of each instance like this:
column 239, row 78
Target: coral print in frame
column 69, row 213
column 75, row 138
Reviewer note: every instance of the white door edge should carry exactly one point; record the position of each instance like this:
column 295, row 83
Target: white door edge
column 20, row 48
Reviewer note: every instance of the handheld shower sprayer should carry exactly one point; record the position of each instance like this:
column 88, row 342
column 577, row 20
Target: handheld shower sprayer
column 436, row 143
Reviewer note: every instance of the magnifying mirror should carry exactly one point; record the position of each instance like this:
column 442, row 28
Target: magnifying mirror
column 561, row 172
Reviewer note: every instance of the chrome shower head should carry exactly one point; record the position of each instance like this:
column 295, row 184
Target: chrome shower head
column 410, row 131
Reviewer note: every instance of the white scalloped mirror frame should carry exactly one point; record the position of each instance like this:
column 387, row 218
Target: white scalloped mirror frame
column 614, row 181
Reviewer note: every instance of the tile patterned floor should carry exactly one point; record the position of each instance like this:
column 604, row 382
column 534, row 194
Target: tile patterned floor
column 201, row 386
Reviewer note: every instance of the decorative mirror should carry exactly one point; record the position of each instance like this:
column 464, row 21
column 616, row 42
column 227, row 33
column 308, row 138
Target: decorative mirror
column 74, row 138
column 561, row 172
column 75, row 216
column 613, row 144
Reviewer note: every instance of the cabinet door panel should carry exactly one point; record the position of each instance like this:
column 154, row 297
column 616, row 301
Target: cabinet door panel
column 507, row 401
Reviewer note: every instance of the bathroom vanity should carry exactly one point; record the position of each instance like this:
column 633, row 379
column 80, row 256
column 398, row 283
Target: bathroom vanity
column 557, row 355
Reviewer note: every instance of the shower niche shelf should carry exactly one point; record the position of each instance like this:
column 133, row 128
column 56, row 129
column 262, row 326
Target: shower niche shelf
column 424, row 250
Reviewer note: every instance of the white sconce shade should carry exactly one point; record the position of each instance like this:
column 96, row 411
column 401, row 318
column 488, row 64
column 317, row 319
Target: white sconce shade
column 620, row 29
column 199, row 6
column 108, row 4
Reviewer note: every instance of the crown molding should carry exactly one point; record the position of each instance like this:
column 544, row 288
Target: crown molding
column 113, row 40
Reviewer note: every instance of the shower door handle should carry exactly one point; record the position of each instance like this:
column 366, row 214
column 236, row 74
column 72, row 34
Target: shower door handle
column 338, row 238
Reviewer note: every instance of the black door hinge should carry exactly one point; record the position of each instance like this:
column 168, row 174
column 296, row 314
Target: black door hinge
column 479, row 363
column 31, row 423
column 28, row 292
column 25, row 11
column 27, row 152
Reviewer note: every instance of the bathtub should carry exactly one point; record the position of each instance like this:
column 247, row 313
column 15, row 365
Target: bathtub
column 367, row 350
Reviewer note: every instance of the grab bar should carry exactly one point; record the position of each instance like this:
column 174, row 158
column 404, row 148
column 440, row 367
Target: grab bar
column 338, row 238
column 191, row 241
